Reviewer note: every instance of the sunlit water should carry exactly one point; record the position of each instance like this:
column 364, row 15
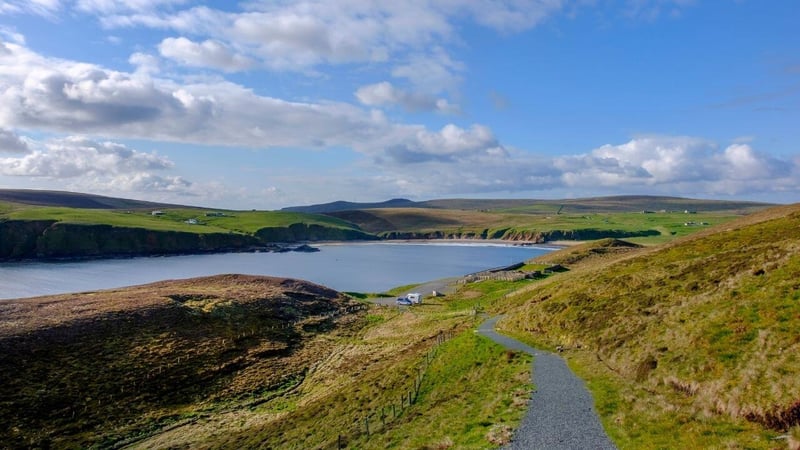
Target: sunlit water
column 369, row 267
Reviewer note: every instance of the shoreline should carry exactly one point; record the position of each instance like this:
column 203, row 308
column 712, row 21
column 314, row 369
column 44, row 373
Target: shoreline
column 302, row 246
column 476, row 242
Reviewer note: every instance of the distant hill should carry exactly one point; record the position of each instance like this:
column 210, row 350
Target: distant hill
column 622, row 203
column 350, row 206
column 74, row 200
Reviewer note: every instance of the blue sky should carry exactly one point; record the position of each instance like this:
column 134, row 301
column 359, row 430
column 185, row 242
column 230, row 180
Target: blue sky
column 265, row 104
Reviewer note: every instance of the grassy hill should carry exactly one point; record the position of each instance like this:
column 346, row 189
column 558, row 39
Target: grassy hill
column 686, row 345
column 242, row 362
column 105, row 226
column 72, row 200
column 426, row 223
column 58, row 231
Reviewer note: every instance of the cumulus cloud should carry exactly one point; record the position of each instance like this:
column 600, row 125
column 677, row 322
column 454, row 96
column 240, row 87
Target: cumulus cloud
column 683, row 165
column 66, row 96
column 208, row 53
column 81, row 163
column 299, row 35
column 145, row 64
column 454, row 162
column 78, row 156
column 415, row 145
column 386, row 94
column 10, row 142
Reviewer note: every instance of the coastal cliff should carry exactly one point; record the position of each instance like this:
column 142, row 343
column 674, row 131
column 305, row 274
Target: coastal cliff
column 514, row 235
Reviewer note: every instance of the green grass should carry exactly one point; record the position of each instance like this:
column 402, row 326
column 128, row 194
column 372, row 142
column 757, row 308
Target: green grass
column 252, row 221
column 692, row 343
column 224, row 384
column 245, row 222
column 458, row 405
column 529, row 224
column 658, row 227
column 132, row 219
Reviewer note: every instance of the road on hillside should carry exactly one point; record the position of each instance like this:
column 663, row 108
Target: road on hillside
column 561, row 413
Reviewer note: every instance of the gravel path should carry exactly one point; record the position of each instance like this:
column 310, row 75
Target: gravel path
column 561, row 412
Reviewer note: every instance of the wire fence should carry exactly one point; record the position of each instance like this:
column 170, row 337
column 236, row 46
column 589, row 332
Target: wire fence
column 376, row 420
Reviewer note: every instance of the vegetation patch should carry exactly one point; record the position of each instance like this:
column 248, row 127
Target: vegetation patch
column 692, row 344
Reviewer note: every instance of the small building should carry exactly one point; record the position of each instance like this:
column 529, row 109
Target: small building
column 191, row 221
column 157, row 213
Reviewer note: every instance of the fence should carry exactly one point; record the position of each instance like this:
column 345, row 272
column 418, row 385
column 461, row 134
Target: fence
column 141, row 380
column 376, row 420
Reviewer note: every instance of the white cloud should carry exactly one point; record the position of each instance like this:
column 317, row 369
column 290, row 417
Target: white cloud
column 70, row 97
column 83, row 164
column 300, row 35
column 145, row 64
column 458, row 162
column 10, row 142
column 431, row 72
column 208, row 53
column 77, row 156
column 11, row 35
column 386, row 94
column 143, row 182
column 416, row 145
column 680, row 165
column 106, row 7
column 44, row 8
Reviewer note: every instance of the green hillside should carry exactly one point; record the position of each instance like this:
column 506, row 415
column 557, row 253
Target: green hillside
column 692, row 344
column 237, row 361
column 55, row 231
column 425, row 223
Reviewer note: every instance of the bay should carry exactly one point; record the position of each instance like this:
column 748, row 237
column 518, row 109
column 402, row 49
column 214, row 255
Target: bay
column 355, row 267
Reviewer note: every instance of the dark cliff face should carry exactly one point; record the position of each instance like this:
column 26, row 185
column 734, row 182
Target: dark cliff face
column 48, row 239
column 511, row 234
column 18, row 238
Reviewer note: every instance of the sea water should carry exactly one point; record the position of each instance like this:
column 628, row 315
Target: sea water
column 354, row 267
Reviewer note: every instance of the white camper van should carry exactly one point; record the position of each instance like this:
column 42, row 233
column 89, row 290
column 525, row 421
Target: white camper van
column 414, row 297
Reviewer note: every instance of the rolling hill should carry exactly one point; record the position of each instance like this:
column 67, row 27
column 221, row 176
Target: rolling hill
column 623, row 203
column 74, row 200
column 695, row 338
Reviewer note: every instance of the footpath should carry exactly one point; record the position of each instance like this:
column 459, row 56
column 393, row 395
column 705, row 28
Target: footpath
column 561, row 412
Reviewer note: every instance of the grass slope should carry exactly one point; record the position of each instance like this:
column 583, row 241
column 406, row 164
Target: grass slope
column 95, row 368
column 660, row 227
column 242, row 362
column 685, row 345
column 174, row 219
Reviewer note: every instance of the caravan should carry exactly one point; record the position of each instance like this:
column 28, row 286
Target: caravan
column 414, row 298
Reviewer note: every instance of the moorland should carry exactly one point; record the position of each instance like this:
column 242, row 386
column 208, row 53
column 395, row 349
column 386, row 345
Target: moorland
column 45, row 224
column 685, row 340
